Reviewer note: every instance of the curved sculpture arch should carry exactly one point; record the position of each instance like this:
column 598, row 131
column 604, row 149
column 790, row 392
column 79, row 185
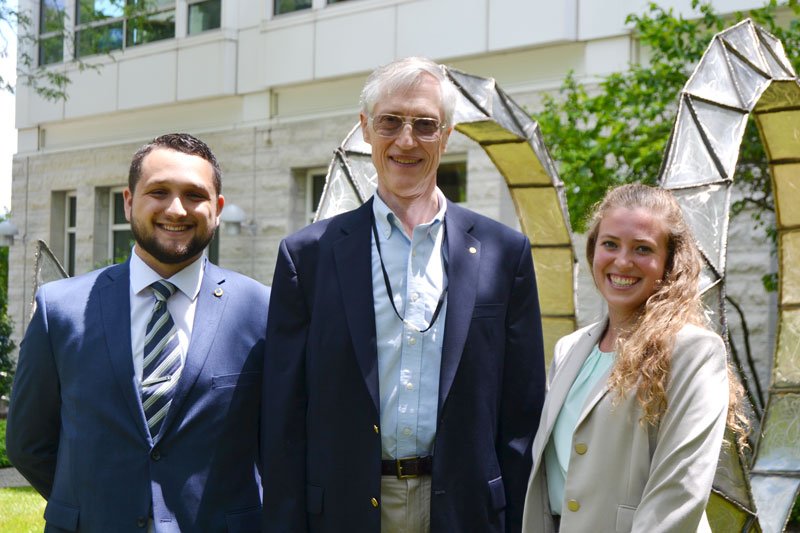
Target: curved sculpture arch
column 513, row 141
column 745, row 72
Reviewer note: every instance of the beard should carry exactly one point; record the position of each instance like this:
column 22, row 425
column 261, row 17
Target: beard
column 175, row 254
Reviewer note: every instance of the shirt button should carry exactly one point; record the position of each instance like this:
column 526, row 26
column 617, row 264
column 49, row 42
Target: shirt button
column 581, row 448
column 374, row 502
column 412, row 340
column 410, row 386
column 413, row 253
column 573, row 505
column 406, row 431
column 415, row 296
column 141, row 522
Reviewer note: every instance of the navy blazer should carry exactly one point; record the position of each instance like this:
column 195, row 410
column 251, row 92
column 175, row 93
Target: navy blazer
column 321, row 447
column 77, row 431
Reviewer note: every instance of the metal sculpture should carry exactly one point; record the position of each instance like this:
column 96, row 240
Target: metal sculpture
column 514, row 142
column 745, row 71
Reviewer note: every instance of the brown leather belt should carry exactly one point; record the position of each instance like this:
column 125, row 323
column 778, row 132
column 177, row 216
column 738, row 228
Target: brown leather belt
column 407, row 467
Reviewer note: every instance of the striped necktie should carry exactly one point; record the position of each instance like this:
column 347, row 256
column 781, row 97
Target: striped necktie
column 162, row 359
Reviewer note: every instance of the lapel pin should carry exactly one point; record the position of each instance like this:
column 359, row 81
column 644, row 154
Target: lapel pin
column 473, row 250
column 217, row 292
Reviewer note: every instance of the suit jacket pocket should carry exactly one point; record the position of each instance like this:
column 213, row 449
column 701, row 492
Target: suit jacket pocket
column 497, row 494
column 486, row 310
column 235, row 380
column 314, row 496
column 61, row 516
column 247, row 521
column 625, row 518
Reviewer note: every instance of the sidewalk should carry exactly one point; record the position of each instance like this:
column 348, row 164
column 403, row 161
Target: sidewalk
column 9, row 477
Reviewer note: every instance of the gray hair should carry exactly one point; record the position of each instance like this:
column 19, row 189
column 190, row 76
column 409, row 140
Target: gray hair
column 403, row 74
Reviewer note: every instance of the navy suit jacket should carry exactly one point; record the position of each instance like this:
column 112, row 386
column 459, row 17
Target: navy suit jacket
column 77, row 431
column 321, row 447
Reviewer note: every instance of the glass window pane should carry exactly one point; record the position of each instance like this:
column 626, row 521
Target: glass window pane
column 336, row 1
column 123, row 241
column 204, row 16
column 52, row 16
column 51, row 50
column 73, row 205
column 91, row 10
column 287, row 6
column 213, row 248
column 452, row 180
column 71, row 254
column 151, row 28
column 119, row 208
column 98, row 40
column 318, row 186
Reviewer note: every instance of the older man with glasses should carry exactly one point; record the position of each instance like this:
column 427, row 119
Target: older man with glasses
column 404, row 376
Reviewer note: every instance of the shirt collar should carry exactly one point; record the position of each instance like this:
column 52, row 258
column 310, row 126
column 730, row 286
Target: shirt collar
column 385, row 219
column 187, row 280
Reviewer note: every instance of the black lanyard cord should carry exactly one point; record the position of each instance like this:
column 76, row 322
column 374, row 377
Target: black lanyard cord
column 389, row 285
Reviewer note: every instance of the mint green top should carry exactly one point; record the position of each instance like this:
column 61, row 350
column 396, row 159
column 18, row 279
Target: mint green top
column 559, row 447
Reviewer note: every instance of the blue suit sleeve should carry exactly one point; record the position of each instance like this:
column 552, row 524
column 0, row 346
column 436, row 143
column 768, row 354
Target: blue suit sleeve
column 523, row 387
column 34, row 416
column 284, row 403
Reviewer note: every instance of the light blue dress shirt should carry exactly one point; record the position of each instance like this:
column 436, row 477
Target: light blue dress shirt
column 408, row 360
column 559, row 447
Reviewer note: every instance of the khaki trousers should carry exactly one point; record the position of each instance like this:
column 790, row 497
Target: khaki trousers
column 405, row 505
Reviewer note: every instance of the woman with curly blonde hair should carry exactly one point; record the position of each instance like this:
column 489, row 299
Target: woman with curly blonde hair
column 637, row 403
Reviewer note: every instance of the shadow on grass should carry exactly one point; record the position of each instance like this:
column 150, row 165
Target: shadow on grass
column 21, row 510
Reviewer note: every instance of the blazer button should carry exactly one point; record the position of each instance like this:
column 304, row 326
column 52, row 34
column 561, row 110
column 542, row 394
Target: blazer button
column 581, row 448
column 377, row 431
column 374, row 502
column 141, row 522
column 155, row 455
column 573, row 505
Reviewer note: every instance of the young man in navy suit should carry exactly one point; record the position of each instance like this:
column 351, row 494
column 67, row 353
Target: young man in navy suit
column 404, row 372
column 135, row 405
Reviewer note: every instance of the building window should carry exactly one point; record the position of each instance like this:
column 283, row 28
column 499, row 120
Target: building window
column 120, row 236
column 315, row 183
column 452, row 180
column 204, row 16
column 287, row 6
column 51, row 28
column 70, row 230
column 106, row 25
column 336, row 1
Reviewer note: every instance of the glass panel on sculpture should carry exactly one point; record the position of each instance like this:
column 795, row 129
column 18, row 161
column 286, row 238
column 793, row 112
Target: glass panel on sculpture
column 354, row 142
column 779, row 95
column 339, row 195
column 776, row 68
column 536, row 141
column 774, row 497
column 769, row 40
column 480, row 89
column 789, row 257
column 778, row 449
column 467, row 112
column 364, row 173
column 287, row 6
column 91, row 10
column 554, row 280
column 47, row 267
column 712, row 80
column 724, row 129
column 730, row 478
column 689, row 162
column 706, row 211
column 205, row 16
column 147, row 29
column 486, row 131
column 712, row 305
column 786, row 368
column 51, row 50
column 502, row 115
column 781, row 131
column 540, row 215
column 751, row 83
column 518, row 163
column 724, row 515
column 787, row 194
column 452, row 180
column 552, row 330
column 707, row 278
column 98, row 40
column 743, row 38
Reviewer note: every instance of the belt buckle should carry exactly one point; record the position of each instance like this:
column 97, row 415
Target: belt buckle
column 400, row 474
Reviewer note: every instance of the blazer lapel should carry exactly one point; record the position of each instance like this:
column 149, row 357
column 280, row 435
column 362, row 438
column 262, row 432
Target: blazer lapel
column 115, row 309
column 211, row 302
column 463, row 256
column 353, row 257
column 601, row 387
column 562, row 382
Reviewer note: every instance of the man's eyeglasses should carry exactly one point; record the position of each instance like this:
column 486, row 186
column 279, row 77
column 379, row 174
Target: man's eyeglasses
column 424, row 129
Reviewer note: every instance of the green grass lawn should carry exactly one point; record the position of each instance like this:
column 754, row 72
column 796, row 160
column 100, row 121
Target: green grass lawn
column 21, row 510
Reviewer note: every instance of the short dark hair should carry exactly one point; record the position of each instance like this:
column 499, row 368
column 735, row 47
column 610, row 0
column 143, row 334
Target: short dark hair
column 180, row 142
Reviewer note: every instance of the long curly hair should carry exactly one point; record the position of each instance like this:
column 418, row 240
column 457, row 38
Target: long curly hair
column 644, row 350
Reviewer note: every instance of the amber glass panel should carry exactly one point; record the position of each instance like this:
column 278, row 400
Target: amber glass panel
column 518, row 163
column 787, row 193
column 554, row 280
column 786, row 371
column 540, row 215
column 789, row 272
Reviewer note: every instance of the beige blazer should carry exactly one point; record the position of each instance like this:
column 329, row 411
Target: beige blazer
column 621, row 477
